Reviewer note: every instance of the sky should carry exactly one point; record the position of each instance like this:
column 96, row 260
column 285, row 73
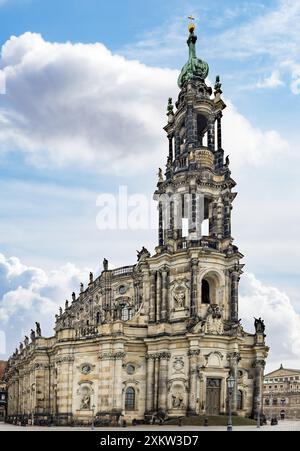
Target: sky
column 85, row 86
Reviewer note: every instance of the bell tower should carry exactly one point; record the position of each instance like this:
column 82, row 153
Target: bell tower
column 195, row 193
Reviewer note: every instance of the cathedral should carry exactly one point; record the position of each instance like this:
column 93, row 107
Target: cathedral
column 158, row 339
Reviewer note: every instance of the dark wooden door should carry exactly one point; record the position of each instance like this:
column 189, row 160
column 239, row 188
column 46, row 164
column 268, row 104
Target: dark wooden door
column 213, row 396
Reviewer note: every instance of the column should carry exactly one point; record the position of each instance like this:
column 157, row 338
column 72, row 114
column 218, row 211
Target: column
column 235, row 279
column 164, row 306
column 220, row 219
column 163, row 381
column 259, row 366
column 193, row 363
column 156, row 381
column 117, row 389
column 234, row 359
column 211, row 134
column 152, row 300
column 219, row 126
column 170, row 138
column 160, row 225
column 150, row 383
column 158, row 296
column 194, row 290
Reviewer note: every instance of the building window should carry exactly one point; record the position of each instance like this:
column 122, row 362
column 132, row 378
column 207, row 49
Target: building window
column 205, row 292
column 130, row 399
column 267, row 402
column 275, row 402
column 130, row 369
column 126, row 313
column 239, row 400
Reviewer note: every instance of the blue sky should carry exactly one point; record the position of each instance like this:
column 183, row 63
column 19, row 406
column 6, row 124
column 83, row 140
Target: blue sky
column 87, row 86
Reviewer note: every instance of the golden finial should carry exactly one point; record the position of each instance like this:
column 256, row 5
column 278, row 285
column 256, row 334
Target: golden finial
column 192, row 25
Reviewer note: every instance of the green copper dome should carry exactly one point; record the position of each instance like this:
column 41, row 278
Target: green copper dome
column 195, row 67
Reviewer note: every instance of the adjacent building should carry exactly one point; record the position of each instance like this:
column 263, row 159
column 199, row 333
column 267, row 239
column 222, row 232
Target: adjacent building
column 162, row 336
column 282, row 394
column 3, row 391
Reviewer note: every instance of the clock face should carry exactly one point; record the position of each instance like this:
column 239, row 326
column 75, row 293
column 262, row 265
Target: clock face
column 86, row 369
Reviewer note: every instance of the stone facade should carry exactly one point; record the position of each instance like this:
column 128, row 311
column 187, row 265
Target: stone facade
column 3, row 391
column 160, row 337
column 282, row 394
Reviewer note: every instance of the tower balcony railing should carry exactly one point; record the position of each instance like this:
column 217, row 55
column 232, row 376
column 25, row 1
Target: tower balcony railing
column 204, row 243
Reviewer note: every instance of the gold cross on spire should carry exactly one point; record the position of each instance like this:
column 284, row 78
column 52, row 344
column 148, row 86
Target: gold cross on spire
column 192, row 24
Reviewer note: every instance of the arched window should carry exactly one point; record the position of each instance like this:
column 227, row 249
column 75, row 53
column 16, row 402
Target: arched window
column 267, row 402
column 201, row 129
column 130, row 399
column 239, row 400
column 205, row 292
column 126, row 312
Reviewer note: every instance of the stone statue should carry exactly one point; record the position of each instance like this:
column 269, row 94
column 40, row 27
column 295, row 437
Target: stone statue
column 26, row 341
column 179, row 299
column 259, row 326
column 177, row 401
column 160, row 175
column 81, row 288
column 91, row 277
column 143, row 254
column 32, row 335
column 21, row 347
column 67, row 305
column 73, row 297
column 86, row 401
column 170, row 106
column 105, row 264
column 38, row 330
column 218, row 85
column 60, row 311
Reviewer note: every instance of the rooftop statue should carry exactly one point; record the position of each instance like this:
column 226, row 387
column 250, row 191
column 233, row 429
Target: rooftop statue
column 195, row 67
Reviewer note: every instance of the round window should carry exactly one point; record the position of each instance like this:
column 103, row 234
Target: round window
column 86, row 369
column 122, row 289
column 130, row 369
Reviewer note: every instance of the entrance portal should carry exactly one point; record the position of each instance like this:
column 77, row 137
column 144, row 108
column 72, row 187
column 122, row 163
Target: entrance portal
column 213, row 396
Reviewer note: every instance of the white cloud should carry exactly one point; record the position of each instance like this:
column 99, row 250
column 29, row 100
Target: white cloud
column 274, row 81
column 282, row 321
column 29, row 294
column 247, row 144
column 78, row 104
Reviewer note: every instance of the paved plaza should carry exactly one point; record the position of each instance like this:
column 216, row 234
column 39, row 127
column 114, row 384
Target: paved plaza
column 291, row 426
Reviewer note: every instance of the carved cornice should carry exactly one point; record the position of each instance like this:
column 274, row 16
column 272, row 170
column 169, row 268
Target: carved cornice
column 112, row 356
column 65, row 359
column 159, row 356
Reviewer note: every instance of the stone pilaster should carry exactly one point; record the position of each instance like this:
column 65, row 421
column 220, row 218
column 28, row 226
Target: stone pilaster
column 194, row 289
column 259, row 366
column 158, row 296
column 163, row 380
column 152, row 310
column 164, row 306
column 193, row 375
column 211, row 134
column 234, row 301
column 150, row 384
column 234, row 359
